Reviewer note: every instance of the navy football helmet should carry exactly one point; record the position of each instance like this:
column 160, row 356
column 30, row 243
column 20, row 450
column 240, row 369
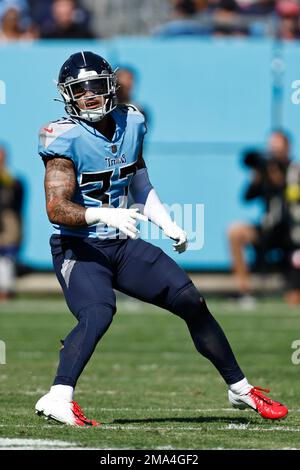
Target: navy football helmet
column 87, row 72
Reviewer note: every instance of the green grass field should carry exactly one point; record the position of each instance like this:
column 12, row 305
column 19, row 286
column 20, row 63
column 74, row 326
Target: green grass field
column 145, row 383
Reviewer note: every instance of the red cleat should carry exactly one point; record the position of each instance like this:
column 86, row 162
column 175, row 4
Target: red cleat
column 81, row 419
column 265, row 406
column 63, row 411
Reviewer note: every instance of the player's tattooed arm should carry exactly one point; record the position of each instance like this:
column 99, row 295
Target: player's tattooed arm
column 60, row 184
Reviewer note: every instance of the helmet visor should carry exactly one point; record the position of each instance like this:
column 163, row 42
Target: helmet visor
column 97, row 86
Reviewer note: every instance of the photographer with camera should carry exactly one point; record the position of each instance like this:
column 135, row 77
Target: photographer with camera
column 292, row 198
column 269, row 182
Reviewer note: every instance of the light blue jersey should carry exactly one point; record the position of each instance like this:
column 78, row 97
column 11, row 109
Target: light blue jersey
column 104, row 168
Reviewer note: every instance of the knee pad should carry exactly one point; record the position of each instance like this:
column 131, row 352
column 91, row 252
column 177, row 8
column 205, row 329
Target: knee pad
column 189, row 304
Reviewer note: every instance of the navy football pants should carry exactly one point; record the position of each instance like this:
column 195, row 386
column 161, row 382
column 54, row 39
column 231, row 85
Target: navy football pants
column 89, row 269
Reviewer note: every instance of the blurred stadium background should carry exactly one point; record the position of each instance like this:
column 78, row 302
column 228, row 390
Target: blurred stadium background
column 209, row 93
column 208, row 96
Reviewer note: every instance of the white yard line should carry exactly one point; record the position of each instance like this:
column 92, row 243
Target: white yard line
column 175, row 429
column 167, row 410
column 189, row 410
column 158, row 410
column 9, row 443
column 34, row 444
column 161, row 410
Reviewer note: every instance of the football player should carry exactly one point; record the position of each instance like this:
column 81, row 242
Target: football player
column 93, row 158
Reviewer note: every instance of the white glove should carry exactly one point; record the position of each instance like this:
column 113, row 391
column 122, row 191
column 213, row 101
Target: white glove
column 176, row 233
column 123, row 219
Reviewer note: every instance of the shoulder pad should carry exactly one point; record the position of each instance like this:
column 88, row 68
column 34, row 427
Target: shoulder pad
column 55, row 129
column 129, row 108
column 64, row 120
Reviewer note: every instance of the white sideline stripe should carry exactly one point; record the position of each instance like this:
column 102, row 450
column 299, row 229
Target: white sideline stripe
column 189, row 410
column 105, row 427
column 198, row 410
column 231, row 427
column 48, row 448
column 34, row 444
column 9, row 443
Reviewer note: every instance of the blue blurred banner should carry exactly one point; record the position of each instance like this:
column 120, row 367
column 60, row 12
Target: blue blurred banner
column 207, row 100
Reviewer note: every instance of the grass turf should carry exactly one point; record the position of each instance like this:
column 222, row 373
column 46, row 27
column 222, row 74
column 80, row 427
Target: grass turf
column 146, row 383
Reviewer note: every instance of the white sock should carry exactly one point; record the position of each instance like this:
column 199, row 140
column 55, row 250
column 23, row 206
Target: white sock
column 65, row 392
column 241, row 388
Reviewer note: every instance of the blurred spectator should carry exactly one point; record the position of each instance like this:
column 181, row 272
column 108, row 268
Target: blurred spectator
column 221, row 28
column 11, row 200
column 268, row 183
column 70, row 19
column 126, row 78
column 20, row 5
column 41, row 13
column 201, row 5
column 11, row 29
column 225, row 19
column 67, row 22
column 183, row 22
column 258, row 8
column 288, row 12
column 223, row 7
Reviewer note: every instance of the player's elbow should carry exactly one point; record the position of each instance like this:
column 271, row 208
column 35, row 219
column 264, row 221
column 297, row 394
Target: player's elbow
column 53, row 211
column 51, row 215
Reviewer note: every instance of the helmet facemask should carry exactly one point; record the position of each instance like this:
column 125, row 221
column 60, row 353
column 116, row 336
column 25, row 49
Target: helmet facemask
column 80, row 93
